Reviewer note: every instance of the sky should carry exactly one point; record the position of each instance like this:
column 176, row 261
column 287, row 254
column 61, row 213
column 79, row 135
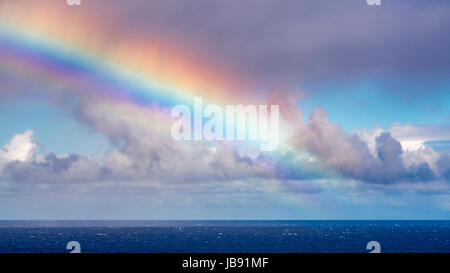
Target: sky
column 86, row 94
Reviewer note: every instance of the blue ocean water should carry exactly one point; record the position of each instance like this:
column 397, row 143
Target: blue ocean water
column 224, row 236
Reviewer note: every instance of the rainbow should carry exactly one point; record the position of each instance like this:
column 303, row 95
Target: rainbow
column 46, row 46
column 50, row 60
column 55, row 45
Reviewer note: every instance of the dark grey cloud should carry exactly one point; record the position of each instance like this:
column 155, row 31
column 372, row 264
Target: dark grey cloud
column 444, row 165
column 389, row 151
column 290, row 41
column 54, row 170
column 59, row 164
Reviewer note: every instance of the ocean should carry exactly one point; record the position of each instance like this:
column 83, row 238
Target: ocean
column 223, row 236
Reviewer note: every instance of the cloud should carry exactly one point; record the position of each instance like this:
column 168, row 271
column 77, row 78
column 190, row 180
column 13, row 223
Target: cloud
column 389, row 151
column 22, row 147
column 416, row 141
column 53, row 169
column 139, row 154
column 278, row 45
column 414, row 137
column 20, row 161
column 301, row 40
column 288, row 43
column 443, row 165
column 351, row 157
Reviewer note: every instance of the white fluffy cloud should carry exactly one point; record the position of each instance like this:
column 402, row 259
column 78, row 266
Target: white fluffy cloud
column 22, row 147
column 412, row 137
column 142, row 151
column 374, row 156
